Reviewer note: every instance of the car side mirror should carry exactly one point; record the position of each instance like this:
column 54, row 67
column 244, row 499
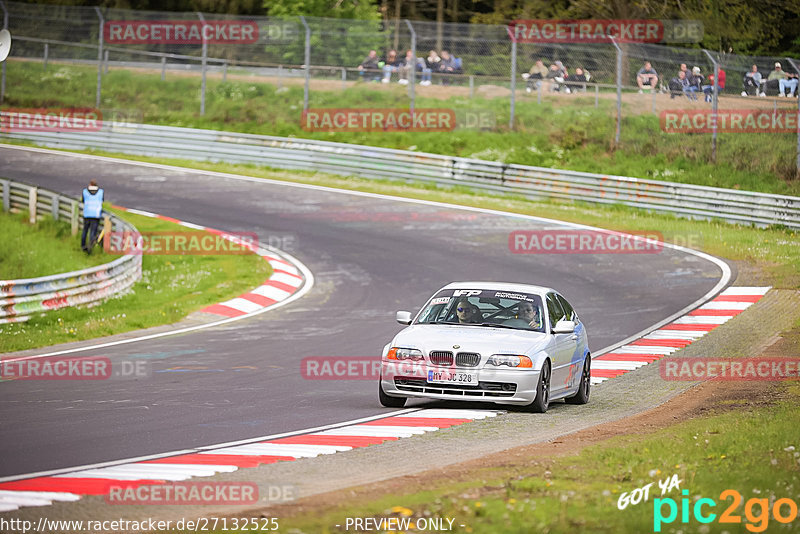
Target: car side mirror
column 403, row 317
column 564, row 327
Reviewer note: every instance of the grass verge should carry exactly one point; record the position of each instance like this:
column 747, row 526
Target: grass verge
column 30, row 251
column 565, row 132
column 171, row 287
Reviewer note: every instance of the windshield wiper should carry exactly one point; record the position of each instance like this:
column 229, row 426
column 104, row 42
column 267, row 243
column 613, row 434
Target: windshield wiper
column 496, row 325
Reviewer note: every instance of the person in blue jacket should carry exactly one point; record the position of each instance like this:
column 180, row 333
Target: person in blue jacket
column 92, row 209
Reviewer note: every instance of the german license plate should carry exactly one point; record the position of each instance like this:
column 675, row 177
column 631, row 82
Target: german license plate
column 453, row 377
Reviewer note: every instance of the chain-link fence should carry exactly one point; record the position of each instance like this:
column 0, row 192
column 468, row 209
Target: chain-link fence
column 324, row 54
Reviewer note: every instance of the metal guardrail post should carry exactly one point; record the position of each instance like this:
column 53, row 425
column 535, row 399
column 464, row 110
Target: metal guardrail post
column 714, row 107
column 100, row 38
column 307, row 65
column 224, row 71
column 794, row 65
column 344, row 78
column 619, row 90
column 204, row 65
column 6, row 195
column 3, row 79
column 74, row 219
column 45, row 55
column 280, row 76
column 33, row 199
column 513, row 82
column 54, row 207
column 163, row 68
column 413, row 70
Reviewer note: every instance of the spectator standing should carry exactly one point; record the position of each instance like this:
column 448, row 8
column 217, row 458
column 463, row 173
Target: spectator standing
column 708, row 90
column 647, row 77
column 92, row 209
column 752, row 82
column 370, row 63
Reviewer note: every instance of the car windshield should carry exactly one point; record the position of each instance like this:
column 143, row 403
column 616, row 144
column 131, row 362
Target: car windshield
column 484, row 308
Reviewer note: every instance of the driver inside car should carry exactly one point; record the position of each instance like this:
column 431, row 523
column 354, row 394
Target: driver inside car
column 530, row 314
column 467, row 312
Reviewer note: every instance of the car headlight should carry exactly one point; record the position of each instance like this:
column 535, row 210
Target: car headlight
column 397, row 353
column 511, row 360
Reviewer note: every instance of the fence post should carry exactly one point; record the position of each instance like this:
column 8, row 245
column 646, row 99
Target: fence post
column 99, row 56
column 105, row 62
column 32, row 200
column 794, row 66
column 45, row 56
column 163, row 68
column 619, row 89
column 224, row 71
column 74, row 219
column 307, row 61
column 3, row 80
column 54, row 206
column 513, row 81
column 280, row 76
column 413, row 74
column 344, row 78
column 6, row 195
column 204, row 64
column 471, row 86
column 654, row 101
column 596, row 96
column 714, row 108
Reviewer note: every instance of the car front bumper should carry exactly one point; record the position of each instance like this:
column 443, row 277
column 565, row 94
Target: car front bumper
column 502, row 385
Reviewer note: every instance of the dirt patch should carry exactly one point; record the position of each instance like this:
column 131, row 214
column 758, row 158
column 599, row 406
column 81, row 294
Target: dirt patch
column 709, row 398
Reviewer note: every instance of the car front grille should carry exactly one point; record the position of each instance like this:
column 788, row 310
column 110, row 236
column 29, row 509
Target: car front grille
column 468, row 359
column 483, row 389
column 441, row 357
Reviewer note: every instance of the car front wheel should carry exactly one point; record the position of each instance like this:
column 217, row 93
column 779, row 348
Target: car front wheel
column 390, row 402
column 542, row 400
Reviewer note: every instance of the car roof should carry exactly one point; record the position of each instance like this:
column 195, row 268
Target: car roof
column 500, row 286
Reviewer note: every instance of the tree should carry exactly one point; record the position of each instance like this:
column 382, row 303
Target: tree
column 341, row 9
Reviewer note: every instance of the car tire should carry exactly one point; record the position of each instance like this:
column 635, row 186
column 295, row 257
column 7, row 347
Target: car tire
column 390, row 402
column 582, row 396
column 542, row 400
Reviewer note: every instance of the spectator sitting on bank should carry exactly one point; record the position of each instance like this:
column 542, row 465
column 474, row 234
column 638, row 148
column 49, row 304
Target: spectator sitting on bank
column 647, row 77
column 751, row 83
column 405, row 68
column 708, row 90
column 392, row 64
column 429, row 64
column 555, row 76
column 679, row 85
column 447, row 65
column 695, row 83
column 784, row 80
column 576, row 81
column 535, row 76
column 370, row 64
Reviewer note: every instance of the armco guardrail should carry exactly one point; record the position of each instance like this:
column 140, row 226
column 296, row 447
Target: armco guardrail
column 21, row 298
column 686, row 200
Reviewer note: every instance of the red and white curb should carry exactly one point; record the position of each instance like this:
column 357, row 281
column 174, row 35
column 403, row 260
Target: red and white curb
column 286, row 279
column 226, row 458
column 674, row 336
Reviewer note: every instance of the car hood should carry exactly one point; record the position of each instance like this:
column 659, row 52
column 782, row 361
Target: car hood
column 484, row 340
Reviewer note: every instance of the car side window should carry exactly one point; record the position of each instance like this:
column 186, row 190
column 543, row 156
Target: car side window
column 569, row 312
column 554, row 310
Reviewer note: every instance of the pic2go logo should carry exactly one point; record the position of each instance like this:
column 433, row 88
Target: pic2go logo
column 756, row 511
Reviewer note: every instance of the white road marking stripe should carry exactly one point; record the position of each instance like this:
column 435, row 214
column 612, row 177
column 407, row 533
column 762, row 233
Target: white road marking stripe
column 141, row 212
column 378, row 431
column 597, row 380
column 276, row 449
column 91, row 473
column 8, row 507
column 48, row 495
column 617, row 365
column 243, row 305
column 454, row 414
column 25, row 501
column 285, row 278
column 705, row 319
column 283, row 266
column 725, row 306
column 675, row 334
column 746, row 291
column 636, row 349
column 199, row 470
column 271, row 292
column 191, row 225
